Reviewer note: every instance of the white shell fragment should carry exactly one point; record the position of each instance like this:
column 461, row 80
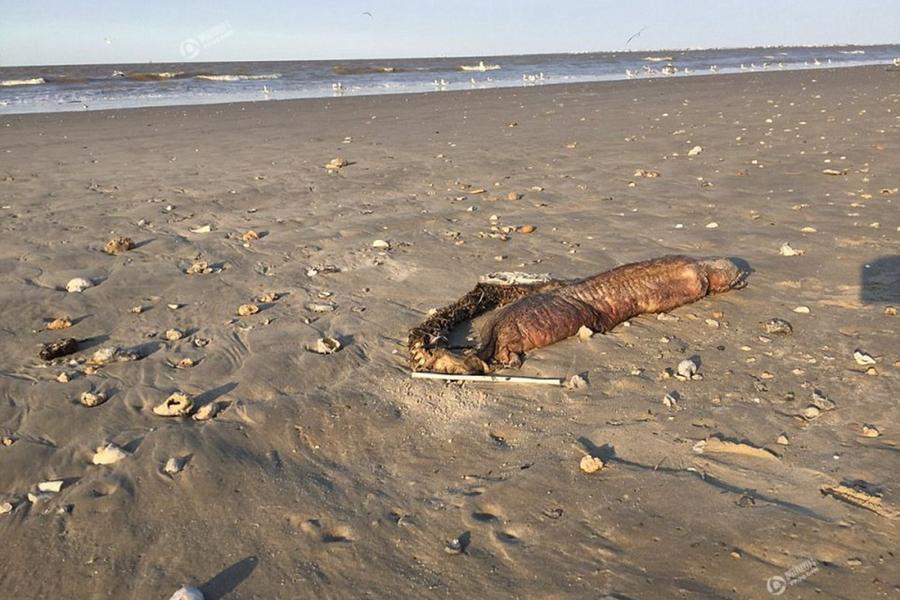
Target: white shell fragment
column 174, row 465
column 78, row 285
column 108, row 455
column 326, row 345
column 51, row 486
column 695, row 151
column 381, row 245
column 206, row 412
column 786, row 250
column 687, row 370
column 187, row 592
column 863, row 358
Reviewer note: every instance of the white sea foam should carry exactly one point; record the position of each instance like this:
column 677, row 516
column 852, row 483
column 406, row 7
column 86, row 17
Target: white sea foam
column 12, row 82
column 239, row 77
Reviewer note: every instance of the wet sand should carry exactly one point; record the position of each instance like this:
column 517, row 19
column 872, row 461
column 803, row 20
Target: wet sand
column 336, row 476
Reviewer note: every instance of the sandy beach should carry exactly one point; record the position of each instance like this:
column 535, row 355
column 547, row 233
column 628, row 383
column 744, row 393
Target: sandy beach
column 338, row 476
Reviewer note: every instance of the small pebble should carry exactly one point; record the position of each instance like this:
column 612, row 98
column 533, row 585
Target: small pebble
column 890, row 311
column 6, row 508
column 585, row 333
column 695, row 151
column 786, row 250
column 174, row 465
column 863, row 358
column 78, row 285
column 526, row 229
column 686, row 370
column 803, row 310
column 381, row 245
column 811, row 412
column 782, row 440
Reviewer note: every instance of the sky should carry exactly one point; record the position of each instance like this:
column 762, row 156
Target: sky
column 42, row 32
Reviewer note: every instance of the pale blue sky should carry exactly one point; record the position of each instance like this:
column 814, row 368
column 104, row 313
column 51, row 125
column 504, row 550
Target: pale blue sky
column 116, row 31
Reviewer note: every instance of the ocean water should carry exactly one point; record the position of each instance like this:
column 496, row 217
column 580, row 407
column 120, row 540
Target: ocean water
column 95, row 87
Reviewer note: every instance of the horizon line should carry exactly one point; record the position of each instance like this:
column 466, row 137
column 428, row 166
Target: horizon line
column 465, row 56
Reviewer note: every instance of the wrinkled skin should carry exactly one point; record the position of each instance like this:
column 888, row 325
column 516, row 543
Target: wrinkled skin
column 602, row 302
column 534, row 316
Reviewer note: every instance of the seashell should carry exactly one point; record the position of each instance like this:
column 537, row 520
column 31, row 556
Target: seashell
column 712, row 225
column 585, row 333
column 863, row 358
column 178, row 404
column 326, row 345
column 60, row 323
column 381, row 245
column 576, row 382
column 92, row 399
column 173, row 335
column 870, row 431
column 119, row 245
column 802, row 310
column 250, row 236
column 136, row 310
column 51, row 486
column 198, row 267
column 890, row 311
column 184, row 363
column 175, row 465
column 778, row 326
column 782, row 440
column 695, row 151
column 336, row 163
column 645, row 173
column 63, row 377
column 834, row 172
column 821, row 401
column 590, row 464
column 112, row 354
column 187, row 592
column 6, row 507
column 320, row 307
column 811, row 412
column 78, row 285
column 526, row 229
column 56, row 349
column 513, row 196
column 268, row 297
column 7, row 440
column 245, row 310
column 206, row 412
column 786, row 250
column 201, row 229
column 108, row 455
column 686, row 369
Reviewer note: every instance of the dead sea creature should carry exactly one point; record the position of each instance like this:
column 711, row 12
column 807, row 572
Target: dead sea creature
column 119, row 245
column 539, row 314
column 56, row 349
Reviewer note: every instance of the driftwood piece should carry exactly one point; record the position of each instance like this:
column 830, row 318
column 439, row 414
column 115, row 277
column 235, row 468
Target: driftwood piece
column 534, row 315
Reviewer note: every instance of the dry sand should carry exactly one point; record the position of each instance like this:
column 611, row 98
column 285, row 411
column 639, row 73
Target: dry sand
column 337, row 476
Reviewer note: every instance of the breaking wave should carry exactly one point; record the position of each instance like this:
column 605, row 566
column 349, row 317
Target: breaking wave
column 12, row 82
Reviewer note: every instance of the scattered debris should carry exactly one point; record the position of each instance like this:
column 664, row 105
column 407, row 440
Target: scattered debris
column 245, row 310
column 178, row 404
column 91, row 399
column 778, row 326
column 60, row 323
column 56, row 349
column 590, row 464
column 78, row 285
column 108, row 455
column 119, row 245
